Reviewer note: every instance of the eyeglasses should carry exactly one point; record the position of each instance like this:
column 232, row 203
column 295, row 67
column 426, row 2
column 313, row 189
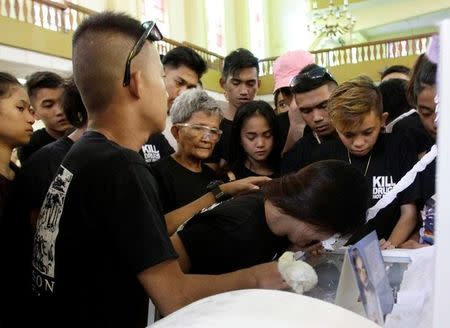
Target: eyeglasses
column 302, row 81
column 202, row 130
column 151, row 33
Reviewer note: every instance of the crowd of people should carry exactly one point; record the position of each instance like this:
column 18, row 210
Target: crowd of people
column 141, row 185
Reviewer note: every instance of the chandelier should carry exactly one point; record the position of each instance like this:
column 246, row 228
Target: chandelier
column 332, row 22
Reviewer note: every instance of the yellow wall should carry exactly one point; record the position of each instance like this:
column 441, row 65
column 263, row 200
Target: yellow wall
column 195, row 22
column 372, row 69
column 190, row 20
column 27, row 36
column 236, row 24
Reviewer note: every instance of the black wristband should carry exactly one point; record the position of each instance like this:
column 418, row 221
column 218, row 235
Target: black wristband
column 218, row 193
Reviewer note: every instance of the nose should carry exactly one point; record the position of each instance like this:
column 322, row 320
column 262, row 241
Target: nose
column 243, row 90
column 434, row 121
column 58, row 110
column 29, row 117
column 359, row 142
column 182, row 89
column 260, row 142
column 317, row 116
column 207, row 136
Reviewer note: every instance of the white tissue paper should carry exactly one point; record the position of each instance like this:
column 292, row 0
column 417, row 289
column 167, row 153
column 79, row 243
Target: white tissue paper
column 299, row 275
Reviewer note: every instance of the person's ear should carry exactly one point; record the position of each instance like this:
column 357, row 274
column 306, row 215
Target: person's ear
column 222, row 82
column 384, row 118
column 136, row 84
column 175, row 132
column 259, row 83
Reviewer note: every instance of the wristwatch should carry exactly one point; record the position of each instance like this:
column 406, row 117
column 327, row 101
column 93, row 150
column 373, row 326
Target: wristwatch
column 214, row 188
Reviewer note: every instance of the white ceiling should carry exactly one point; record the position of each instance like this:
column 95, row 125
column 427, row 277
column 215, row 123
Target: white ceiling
column 21, row 62
column 408, row 26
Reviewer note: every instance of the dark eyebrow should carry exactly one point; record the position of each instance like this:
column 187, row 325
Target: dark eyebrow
column 189, row 85
column 314, row 106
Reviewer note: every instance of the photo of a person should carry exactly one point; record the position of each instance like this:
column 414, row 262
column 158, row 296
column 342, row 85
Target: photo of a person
column 368, row 295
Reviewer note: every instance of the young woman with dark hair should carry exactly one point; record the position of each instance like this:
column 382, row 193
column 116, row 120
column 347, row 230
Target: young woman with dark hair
column 16, row 128
column 255, row 144
column 295, row 210
column 421, row 91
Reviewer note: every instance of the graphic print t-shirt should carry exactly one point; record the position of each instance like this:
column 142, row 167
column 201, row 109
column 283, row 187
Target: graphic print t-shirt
column 390, row 159
column 157, row 147
column 100, row 225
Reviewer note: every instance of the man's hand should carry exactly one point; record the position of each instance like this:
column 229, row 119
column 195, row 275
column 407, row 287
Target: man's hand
column 296, row 127
column 412, row 244
column 243, row 185
column 386, row 244
column 267, row 276
column 296, row 120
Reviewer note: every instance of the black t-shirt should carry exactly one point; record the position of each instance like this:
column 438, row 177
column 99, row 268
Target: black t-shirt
column 241, row 172
column 39, row 139
column 390, row 159
column 5, row 188
column 221, row 149
column 412, row 127
column 178, row 185
column 301, row 153
column 156, row 148
column 15, row 252
column 427, row 181
column 283, row 126
column 101, row 224
column 39, row 170
column 231, row 236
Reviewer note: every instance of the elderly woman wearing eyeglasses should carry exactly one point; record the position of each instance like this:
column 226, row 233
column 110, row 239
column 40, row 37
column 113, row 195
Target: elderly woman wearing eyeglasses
column 183, row 177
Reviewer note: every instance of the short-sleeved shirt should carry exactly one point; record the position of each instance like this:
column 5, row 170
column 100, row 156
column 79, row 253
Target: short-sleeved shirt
column 412, row 127
column 283, row 126
column 100, row 225
column 390, row 159
column 231, row 236
column 39, row 170
column 178, row 185
column 6, row 192
column 241, row 172
column 427, row 181
column 156, row 148
column 301, row 153
column 39, row 139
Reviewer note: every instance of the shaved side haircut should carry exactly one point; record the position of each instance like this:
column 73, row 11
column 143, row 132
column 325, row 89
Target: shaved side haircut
column 100, row 48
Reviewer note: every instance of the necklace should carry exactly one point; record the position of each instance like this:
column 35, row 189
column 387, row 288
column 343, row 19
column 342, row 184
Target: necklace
column 317, row 138
column 368, row 162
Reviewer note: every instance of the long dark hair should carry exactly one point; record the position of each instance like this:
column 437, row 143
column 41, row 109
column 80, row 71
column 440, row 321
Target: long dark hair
column 424, row 73
column 330, row 194
column 6, row 82
column 73, row 106
column 237, row 154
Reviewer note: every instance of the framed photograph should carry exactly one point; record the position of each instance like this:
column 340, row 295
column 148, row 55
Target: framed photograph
column 375, row 292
